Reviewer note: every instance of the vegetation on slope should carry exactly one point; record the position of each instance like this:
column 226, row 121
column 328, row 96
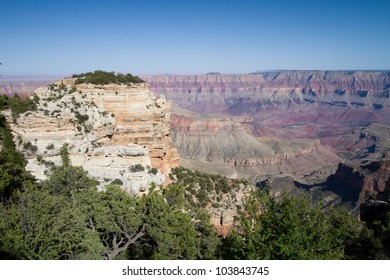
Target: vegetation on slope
column 13, row 175
column 201, row 189
column 16, row 105
column 102, row 78
column 65, row 217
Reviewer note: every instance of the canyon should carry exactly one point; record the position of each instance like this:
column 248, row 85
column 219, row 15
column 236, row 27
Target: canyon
column 294, row 130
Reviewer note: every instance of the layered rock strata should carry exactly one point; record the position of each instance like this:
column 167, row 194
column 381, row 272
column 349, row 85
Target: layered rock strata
column 226, row 145
column 310, row 83
column 281, row 98
column 118, row 133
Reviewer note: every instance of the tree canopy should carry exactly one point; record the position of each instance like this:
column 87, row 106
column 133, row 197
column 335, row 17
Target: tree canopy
column 100, row 77
column 291, row 228
column 12, row 164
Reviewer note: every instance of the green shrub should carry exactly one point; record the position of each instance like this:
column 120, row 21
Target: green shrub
column 153, row 171
column 28, row 146
column 81, row 118
column 50, row 147
column 137, row 168
column 102, row 78
column 118, row 182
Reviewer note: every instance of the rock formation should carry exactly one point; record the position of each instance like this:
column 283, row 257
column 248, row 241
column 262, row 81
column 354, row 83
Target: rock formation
column 281, row 98
column 227, row 145
column 367, row 184
column 288, row 127
column 118, row 133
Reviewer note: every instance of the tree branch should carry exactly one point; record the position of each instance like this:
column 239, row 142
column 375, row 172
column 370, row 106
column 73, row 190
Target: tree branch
column 130, row 240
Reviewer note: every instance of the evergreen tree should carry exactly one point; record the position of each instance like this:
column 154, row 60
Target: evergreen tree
column 291, row 228
column 12, row 164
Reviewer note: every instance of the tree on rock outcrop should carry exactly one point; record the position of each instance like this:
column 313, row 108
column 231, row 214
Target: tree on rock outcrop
column 68, row 179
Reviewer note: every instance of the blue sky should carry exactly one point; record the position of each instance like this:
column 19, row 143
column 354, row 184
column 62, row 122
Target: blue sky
column 190, row 37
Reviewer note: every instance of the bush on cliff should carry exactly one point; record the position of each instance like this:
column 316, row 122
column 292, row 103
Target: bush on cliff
column 102, row 78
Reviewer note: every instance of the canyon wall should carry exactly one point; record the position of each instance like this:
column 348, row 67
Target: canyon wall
column 23, row 87
column 284, row 97
column 278, row 123
column 226, row 145
column 372, row 84
column 374, row 177
column 367, row 184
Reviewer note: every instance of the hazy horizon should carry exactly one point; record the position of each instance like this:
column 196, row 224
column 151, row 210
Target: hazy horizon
column 41, row 38
column 24, row 77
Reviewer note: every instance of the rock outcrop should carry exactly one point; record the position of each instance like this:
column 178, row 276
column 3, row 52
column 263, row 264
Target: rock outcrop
column 118, row 133
column 365, row 185
column 373, row 177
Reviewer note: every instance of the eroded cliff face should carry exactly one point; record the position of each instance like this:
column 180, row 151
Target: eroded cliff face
column 372, row 178
column 226, row 145
column 116, row 132
column 311, row 83
column 365, row 186
column 285, row 97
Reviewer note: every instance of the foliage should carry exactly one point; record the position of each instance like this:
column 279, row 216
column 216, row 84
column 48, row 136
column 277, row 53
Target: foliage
column 81, row 119
column 291, row 228
column 28, row 146
column 114, row 216
column 374, row 240
column 67, row 179
column 102, row 78
column 67, row 218
column 203, row 188
column 175, row 230
column 12, row 164
column 44, row 226
column 16, row 105
column 153, row 171
column 50, row 147
column 137, row 168
column 118, row 182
